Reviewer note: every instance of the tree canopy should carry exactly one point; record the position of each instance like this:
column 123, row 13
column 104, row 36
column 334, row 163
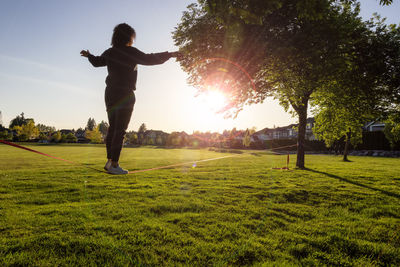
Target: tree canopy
column 45, row 128
column 94, row 135
column 19, row 120
column 103, row 128
column 142, row 128
column 91, row 124
column 386, row 2
column 392, row 126
column 366, row 91
column 290, row 49
column 26, row 131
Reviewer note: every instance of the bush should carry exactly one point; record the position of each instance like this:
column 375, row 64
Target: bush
column 71, row 138
column 5, row 135
column 94, row 136
column 43, row 136
column 56, row 137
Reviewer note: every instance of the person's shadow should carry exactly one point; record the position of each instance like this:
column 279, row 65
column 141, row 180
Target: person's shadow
column 388, row 193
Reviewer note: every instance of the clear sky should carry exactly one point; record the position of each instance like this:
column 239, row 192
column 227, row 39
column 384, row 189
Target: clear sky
column 43, row 75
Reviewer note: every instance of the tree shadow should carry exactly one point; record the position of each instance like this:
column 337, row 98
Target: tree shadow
column 388, row 193
column 347, row 160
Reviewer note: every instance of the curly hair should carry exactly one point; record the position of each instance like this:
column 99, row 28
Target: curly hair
column 122, row 35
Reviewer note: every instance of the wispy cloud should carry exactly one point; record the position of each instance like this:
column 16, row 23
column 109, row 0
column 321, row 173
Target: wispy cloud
column 52, row 84
column 35, row 64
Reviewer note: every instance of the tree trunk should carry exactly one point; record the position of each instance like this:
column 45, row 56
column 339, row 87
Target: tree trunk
column 302, row 112
column 346, row 146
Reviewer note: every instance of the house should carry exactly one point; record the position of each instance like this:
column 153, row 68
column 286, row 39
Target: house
column 155, row 137
column 178, row 139
column 374, row 126
column 309, row 126
column 286, row 132
column 66, row 131
column 239, row 135
column 80, row 135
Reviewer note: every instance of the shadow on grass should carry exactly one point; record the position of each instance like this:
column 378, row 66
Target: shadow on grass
column 388, row 193
column 347, row 160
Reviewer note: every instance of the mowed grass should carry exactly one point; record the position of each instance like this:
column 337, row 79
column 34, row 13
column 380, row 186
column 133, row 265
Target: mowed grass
column 231, row 211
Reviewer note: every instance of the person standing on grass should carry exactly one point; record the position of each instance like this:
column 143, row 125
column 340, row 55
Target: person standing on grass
column 121, row 61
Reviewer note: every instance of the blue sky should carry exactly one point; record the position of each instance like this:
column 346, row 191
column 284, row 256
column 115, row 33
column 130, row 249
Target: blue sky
column 42, row 74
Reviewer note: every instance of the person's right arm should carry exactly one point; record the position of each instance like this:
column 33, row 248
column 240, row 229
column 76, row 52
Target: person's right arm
column 97, row 61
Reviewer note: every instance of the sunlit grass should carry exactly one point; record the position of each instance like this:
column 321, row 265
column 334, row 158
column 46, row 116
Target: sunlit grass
column 232, row 211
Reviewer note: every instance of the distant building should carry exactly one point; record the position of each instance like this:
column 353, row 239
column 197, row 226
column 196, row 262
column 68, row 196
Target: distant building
column 374, row 126
column 80, row 135
column 285, row 132
column 309, row 133
column 155, row 137
column 66, row 131
column 239, row 135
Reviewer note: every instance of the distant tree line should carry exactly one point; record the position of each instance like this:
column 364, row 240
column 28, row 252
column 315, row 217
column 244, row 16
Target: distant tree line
column 22, row 129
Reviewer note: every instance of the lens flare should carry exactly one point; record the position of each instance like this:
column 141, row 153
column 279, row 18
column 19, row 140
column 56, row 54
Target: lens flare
column 214, row 99
column 233, row 63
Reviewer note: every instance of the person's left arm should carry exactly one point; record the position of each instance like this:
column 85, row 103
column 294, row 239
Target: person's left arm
column 151, row 59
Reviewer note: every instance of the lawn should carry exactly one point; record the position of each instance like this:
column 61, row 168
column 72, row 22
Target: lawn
column 231, row 211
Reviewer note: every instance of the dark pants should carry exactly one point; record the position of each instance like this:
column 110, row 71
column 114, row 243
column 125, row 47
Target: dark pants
column 119, row 103
column 118, row 120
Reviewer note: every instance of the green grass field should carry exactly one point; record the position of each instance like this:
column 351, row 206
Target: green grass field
column 232, row 211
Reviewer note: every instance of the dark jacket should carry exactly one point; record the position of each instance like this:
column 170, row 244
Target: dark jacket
column 122, row 64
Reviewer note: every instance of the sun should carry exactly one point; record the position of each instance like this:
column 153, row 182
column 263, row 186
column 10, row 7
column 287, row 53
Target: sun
column 214, row 99
column 204, row 107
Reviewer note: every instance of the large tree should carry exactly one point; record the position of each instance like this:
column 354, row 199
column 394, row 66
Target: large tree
column 103, row 128
column 141, row 132
column 366, row 91
column 91, row 124
column 94, row 135
column 26, row 131
column 335, row 119
column 45, row 128
column 392, row 127
column 20, row 120
column 291, row 49
column 56, row 137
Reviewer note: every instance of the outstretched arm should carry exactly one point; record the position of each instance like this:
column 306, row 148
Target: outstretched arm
column 176, row 54
column 152, row 59
column 97, row 61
